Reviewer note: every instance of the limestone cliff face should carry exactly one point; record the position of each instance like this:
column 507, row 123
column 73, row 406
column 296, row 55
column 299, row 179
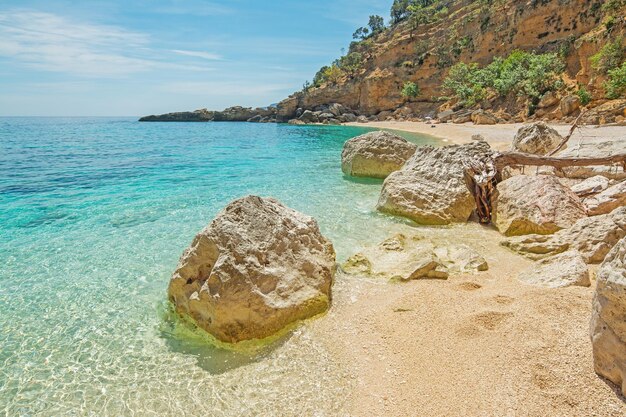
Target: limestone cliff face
column 472, row 32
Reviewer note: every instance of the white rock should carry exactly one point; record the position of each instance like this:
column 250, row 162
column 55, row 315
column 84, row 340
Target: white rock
column 536, row 138
column 591, row 185
column 538, row 204
column 375, row 154
column 563, row 270
column 608, row 318
column 430, row 188
column 257, row 267
column 593, row 237
column 595, row 149
column 607, row 201
column 403, row 258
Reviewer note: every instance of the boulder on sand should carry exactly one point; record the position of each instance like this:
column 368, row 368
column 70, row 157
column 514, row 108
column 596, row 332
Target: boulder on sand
column 536, row 138
column 256, row 268
column 608, row 318
column 539, row 204
column 593, row 237
column 403, row 258
column 375, row 154
column 563, row 270
column 430, row 188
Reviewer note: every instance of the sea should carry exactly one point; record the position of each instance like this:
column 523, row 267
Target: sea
column 94, row 214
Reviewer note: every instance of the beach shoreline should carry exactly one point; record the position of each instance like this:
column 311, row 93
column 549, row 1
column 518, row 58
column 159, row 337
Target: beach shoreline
column 499, row 136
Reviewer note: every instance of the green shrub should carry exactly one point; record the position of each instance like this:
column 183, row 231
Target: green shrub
column 610, row 56
column 410, row 90
column 522, row 73
column 613, row 5
column 616, row 85
column 584, row 96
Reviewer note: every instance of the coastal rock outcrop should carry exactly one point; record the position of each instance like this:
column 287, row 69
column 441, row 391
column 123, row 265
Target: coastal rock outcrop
column 563, row 270
column 538, row 204
column 608, row 319
column 404, row 258
column 256, row 268
column 430, row 188
column 375, row 154
column 536, row 138
column 607, row 200
column 593, row 237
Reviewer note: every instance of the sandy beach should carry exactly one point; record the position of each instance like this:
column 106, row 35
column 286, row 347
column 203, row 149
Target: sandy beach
column 472, row 345
column 498, row 136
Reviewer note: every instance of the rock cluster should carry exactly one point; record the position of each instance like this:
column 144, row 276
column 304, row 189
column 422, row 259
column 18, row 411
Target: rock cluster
column 538, row 204
column 563, row 270
column 593, row 237
column 332, row 114
column 430, row 188
column 608, row 319
column 256, row 268
column 405, row 258
column 375, row 154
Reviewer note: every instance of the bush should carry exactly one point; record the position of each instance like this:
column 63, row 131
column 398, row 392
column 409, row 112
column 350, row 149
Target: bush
column 613, row 5
column 616, row 85
column 410, row 90
column 522, row 73
column 610, row 56
column 584, row 96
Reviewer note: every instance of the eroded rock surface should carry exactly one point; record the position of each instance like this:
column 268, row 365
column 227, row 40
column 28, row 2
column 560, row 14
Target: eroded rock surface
column 430, row 188
column 593, row 237
column 257, row 267
column 607, row 201
column 608, row 319
column 563, row 270
column 375, row 154
column 404, row 258
column 590, row 186
column 538, row 204
column 536, row 138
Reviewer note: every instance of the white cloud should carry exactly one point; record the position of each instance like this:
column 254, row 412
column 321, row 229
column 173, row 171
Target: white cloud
column 53, row 43
column 199, row 54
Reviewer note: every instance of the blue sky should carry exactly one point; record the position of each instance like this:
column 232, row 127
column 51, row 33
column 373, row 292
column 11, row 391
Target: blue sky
column 136, row 57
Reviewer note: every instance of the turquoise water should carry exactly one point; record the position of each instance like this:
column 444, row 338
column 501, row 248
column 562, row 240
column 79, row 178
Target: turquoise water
column 94, row 214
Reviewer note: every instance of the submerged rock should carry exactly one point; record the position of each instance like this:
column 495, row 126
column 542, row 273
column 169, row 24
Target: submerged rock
column 375, row 154
column 405, row 258
column 608, row 200
column 563, row 270
column 536, row 138
column 593, row 237
column 430, row 188
column 538, row 204
column 257, row 267
column 608, row 319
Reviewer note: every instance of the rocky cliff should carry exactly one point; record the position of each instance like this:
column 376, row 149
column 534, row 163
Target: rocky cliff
column 469, row 31
column 473, row 31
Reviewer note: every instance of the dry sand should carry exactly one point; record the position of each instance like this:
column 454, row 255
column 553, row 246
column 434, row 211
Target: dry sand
column 472, row 345
column 498, row 136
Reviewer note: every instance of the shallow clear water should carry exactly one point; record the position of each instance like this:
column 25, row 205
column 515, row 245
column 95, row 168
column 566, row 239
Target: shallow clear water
column 94, row 214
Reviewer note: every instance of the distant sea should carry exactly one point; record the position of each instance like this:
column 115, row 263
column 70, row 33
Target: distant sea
column 94, row 213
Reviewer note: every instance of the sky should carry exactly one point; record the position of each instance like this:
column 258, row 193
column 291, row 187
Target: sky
column 139, row 57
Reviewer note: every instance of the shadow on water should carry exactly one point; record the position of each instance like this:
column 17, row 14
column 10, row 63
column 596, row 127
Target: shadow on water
column 364, row 180
column 213, row 356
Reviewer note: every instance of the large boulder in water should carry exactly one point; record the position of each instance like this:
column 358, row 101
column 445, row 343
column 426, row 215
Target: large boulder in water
column 375, row 154
column 608, row 319
column 536, row 138
column 539, row 204
column 430, row 188
column 593, row 237
column 257, row 267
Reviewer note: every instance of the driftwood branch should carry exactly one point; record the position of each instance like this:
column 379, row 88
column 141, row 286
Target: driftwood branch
column 517, row 158
column 569, row 135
